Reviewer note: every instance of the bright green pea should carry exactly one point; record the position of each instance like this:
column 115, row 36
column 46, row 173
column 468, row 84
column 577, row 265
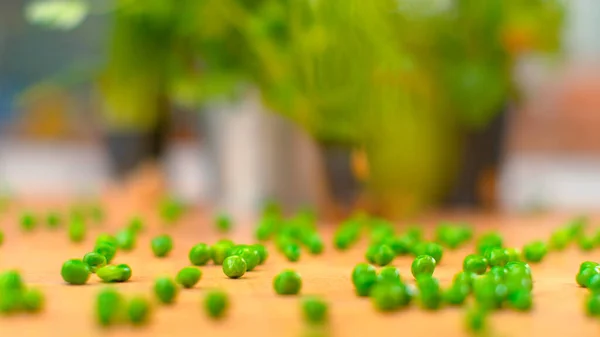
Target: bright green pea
column 383, row 255
column 389, row 274
column 434, row 250
column 126, row 239
column 292, row 252
column 223, row 223
column 474, row 263
column 584, row 276
column 592, row 304
column 108, row 239
column 586, row 243
column 535, row 251
column 314, row 309
column 587, row 264
column 28, row 221
column 388, row 296
column 138, row 310
column 288, row 282
column 161, row 245
column 489, row 293
column 364, row 276
column 126, row 270
column 497, row 257
column 370, row 253
column 263, row 253
column 33, row 300
column 107, row 250
column 110, row 273
column 464, row 277
column 521, row 300
column 188, row 277
column 234, row 266
column 593, row 283
column 315, row 244
column 456, row 294
column 11, row 280
column 475, row 319
column 488, row 241
column 216, row 304
column 77, row 230
column 514, row 254
column 165, row 290
column 94, row 261
column 109, row 306
column 220, row 251
column 422, row 265
column 401, row 245
column 430, row 295
column 75, row 271
column 560, row 239
column 497, row 273
column 53, row 220
column 200, row 254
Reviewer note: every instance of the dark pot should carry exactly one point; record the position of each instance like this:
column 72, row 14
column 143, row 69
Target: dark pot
column 342, row 183
column 481, row 157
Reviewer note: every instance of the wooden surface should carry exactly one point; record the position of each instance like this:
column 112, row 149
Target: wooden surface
column 257, row 311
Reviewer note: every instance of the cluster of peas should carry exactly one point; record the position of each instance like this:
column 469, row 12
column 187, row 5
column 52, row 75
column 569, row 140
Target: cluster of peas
column 15, row 296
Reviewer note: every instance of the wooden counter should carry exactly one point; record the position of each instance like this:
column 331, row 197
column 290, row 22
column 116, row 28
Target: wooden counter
column 257, row 311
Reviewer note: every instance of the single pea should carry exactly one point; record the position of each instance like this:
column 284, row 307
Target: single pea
column 488, row 241
column 388, row 296
column 53, row 220
column 497, row 257
column 33, row 300
column 475, row 319
column 110, row 273
column 464, row 277
column 11, row 281
column 107, row 250
column 28, row 221
column 136, row 224
column 314, row 310
column 518, row 267
column 223, row 223
column 521, row 300
column 77, row 230
column 415, row 232
column 535, row 251
column 234, row 266
column 138, row 310
column 401, row 245
column 126, row 270
column 126, row 239
column 560, row 239
column 587, row 264
column 370, row 253
column 250, row 255
column 292, row 252
column 389, row 274
column 263, row 232
column 430, row 295
column 434, row 250
column 188, row 277
column 456, row 294
column 586, row 243
column 75, row 271
column 489, row 293
column 593, row 283
column 199, row 255
column 263, row 253
column 94, row 261
column 514, row 254
column 288, row 282
column 216, row 304
column 161, row 245
column 165, row 290
column 592, row 304
column 422, row 265
column 11, row 301
column 109, row 306
column 384, row 255
column 584, row 276
column 107, row 238
column 315, row 244
column 474, row 263
column 220, row 251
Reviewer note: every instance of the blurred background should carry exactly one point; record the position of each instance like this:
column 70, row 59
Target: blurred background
column 392, row 106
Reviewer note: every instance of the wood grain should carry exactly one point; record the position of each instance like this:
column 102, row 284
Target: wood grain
column 257, row 311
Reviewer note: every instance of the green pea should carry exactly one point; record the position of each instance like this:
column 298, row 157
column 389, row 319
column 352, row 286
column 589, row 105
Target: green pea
column 370, row 253
column 422, row 265
column 223, row 223
column 109, row 306
column 497, row 257
column 315, row 244
column 250, row 255
column 263, row 253
column 535, row 251
column 388, row 296
column 584, row 276
column 314, row 309
column 216, row 303
column 126, row 239
column 11, row 280
column 429, row 292
column 521, row 300
column 415, row 232
column 464, row 277
column 514, row 254
column 292, row 252
column 234, row 266
column 126, row 270
column 188, row 277
column 474, row 263
column 586, row 243
column 497, row 273
column 165, row 290
column 200, row 254
column 33, row 300
column 220, row 251
column 77, row 230
column 456, row 294
column 94, row 261
column 136, row 224
column 434, row 250
column 107, row 250
column 75, row 271
column 53, row 220
column 288, row 282
column 108, row 239
column 488, row 241
column 593, row 283
column 475, row 320
column 383, row 255
column 138, row 310
column 401, row 245
column 587, row 264
column 560, row 239
column 389, row 274
column 489, row 293
column 592, row 304
column 28, row 221
column 112, row 273
column 161, row 245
